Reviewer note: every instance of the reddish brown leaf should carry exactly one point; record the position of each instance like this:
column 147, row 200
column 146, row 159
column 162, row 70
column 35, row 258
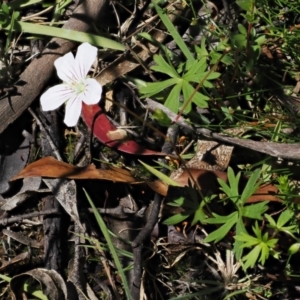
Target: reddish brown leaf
column 50, row 167
column 97, row 121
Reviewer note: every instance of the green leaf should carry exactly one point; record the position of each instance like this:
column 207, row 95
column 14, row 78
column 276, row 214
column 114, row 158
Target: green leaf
column 174, row 32
column 224, row 187
column 166, row 179
column 294, row 249
column 217, row 219
column 199, row 76
column 271, row 221
column 198, row 98
column 5, row 8
column 172, row 102
column 177, row 218
column 153, row 88
column 251, row 258
column 110, row 244
column 67, row 34
column 215, row 56
column 234, row 184
column 284, row 217
column 163, row 67
column 197, row 68
column 240, row 228
column 161, row 117
column 255, row 211
column 251, row 186
column 239, row 41
column 200, row 216
column 242, row 29
column 219, row 234
column 245, row 4
column 248, row 240
column 260, row 40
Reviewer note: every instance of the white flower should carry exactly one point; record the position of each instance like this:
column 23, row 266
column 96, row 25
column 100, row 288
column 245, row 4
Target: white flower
column 76, row 86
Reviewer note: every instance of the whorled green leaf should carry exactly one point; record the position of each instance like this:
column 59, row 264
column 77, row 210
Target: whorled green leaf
column 233, row 182
column 220, row 233
column 154, row 88
column 251, row 186
column 198, row 98
column 197, row 67
column 163, row 67
column 255, row 211
column 172, row 102
column 199, row 216
column 251, row 258
column 217, row 219
column 239, row 229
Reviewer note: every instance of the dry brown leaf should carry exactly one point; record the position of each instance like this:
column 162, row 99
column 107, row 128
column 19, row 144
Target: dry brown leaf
column 158, row 186
column 52, row 168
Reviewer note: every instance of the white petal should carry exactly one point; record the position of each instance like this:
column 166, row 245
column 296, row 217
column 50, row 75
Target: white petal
column 85, row 57
column 73, row 111
column 66, row 68
column 55, row 97
column 92, row 94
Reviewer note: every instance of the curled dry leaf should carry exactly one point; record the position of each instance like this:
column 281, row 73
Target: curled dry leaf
column 52, row 168
column 97, row 121
column 51, row 283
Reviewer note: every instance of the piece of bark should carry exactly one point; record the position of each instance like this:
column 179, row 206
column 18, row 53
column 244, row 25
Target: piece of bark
column 285, row 151
column 35, row 77
column 52, row 236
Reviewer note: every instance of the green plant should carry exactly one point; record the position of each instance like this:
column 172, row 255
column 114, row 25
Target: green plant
column 253, row 211
column 286, row 189
column 191, row 205
column 262, row 244
column 194, row 72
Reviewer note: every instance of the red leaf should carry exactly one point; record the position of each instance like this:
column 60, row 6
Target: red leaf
column 96, row 120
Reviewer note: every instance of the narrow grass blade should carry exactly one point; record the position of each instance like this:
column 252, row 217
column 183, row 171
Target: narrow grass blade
column 166, row 179
column 67, row 34
column 111, row 247
column 174, row 33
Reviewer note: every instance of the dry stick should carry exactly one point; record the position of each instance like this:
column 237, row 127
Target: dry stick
column 35, row 77
column 137, row 244
column 6, row 221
